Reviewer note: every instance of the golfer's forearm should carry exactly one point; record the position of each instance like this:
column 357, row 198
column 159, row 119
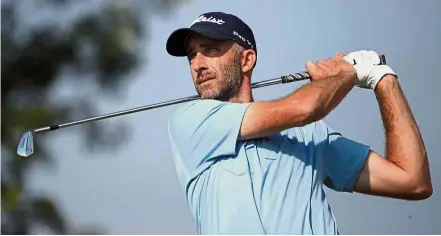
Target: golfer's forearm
column 310, row 103
column 322, row 96
column 404, row 144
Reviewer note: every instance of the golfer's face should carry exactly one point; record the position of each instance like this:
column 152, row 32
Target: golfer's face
column 207, row 60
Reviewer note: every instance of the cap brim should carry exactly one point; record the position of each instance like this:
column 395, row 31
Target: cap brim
column 176, row 41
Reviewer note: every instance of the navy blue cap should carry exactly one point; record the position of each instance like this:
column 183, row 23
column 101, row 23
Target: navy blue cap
column 214, row 25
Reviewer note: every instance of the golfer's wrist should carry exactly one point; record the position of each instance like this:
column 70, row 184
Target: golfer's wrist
column 386, row 83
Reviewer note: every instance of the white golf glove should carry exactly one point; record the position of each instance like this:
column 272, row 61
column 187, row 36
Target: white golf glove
column 369, row 70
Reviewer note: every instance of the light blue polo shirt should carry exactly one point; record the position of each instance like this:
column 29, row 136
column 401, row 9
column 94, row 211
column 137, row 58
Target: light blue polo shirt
column 270, row 185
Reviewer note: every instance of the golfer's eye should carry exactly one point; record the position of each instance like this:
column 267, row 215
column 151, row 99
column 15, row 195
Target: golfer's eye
column 212, row 49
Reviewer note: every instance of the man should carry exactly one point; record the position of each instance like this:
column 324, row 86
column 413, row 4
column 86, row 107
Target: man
column 251, row 167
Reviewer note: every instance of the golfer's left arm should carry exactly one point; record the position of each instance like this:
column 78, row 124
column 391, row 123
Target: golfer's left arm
column 404, row 171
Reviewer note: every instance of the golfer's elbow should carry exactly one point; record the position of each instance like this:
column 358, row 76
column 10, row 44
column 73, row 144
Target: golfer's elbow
column 418, row 189
column 421, row 191
column 424, row 192
column 419, row 181
column 417, row 194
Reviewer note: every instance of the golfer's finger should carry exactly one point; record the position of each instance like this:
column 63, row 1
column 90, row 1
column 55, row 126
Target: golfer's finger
column 339, row 56
column 325, row 65
column 312, row 68
column 315, row 71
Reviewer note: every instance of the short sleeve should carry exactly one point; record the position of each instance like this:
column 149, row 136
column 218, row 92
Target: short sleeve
column 204, row 130
column 343, row 159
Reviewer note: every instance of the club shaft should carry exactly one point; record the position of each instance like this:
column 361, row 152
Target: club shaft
column 283, row 79
column 115, row 114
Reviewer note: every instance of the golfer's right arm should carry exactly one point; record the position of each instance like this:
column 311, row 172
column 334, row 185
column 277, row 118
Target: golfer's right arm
column 331, row 81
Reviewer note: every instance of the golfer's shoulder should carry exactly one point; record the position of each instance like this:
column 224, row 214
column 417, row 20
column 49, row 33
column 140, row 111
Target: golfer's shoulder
column 194, row 108
column 206, row 107
column 194, row 113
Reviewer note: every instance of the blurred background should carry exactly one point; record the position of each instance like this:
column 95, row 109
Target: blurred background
column 63, row 60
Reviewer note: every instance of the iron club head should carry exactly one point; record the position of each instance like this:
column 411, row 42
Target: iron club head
column 26, row 145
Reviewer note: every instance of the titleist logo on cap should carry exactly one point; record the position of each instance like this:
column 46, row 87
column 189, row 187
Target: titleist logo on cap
column 211, row 19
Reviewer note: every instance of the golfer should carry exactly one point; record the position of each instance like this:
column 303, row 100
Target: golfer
column 251, row 167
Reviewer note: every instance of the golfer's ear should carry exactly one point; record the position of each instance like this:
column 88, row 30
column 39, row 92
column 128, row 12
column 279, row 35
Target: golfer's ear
column 248, row 60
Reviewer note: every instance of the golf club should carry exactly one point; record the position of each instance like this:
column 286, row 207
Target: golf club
column 26, row 145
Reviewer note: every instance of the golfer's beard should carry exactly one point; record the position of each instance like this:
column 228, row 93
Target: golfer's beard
column 227, row 85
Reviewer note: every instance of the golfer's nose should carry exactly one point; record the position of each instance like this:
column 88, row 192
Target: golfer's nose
column 199, row 63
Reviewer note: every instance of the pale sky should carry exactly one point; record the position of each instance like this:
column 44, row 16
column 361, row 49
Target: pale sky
column 134, row 190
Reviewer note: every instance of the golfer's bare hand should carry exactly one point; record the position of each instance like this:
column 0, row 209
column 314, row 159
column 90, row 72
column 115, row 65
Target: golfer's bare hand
column 332, row 67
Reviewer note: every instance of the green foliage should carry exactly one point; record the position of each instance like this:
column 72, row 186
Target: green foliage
column 98, row 47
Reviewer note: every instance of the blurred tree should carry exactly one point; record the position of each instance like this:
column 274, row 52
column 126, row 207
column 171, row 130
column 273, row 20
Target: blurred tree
column 45, row 43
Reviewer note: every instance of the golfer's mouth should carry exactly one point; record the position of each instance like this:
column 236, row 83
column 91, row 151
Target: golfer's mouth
column 205, row 79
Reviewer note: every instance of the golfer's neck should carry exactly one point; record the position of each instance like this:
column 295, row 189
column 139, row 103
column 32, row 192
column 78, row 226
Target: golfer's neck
column 244, row 96
column 241, row 99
